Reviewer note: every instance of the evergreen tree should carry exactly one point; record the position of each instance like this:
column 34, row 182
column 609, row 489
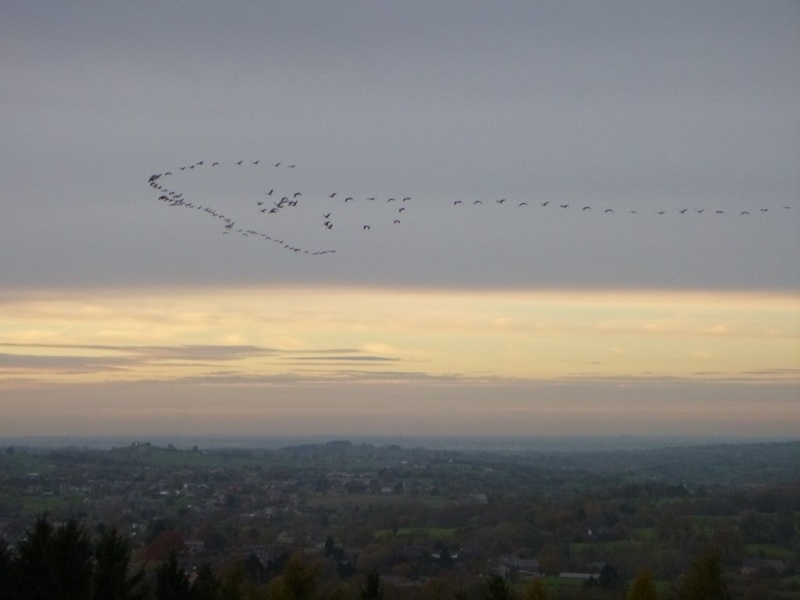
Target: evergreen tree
column 609, row 579
column 6, row 571
column 704, row 581
column 111, row 572
column 496, row 588
column 54, row 563
column 172, row 583
column 207, row 585
column 373, row 589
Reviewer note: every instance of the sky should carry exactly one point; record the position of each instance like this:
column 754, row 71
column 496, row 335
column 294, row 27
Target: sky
column 400, row 218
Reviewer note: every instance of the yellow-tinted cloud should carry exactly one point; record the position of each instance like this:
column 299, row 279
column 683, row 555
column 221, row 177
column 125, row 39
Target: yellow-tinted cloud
column 512, row 335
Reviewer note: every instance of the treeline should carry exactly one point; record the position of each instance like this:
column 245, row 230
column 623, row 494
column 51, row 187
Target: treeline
column 66, row 562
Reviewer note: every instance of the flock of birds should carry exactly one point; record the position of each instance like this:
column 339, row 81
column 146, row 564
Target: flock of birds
column 271, row 202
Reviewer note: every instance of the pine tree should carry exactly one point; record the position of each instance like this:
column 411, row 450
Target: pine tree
column 704, row 581
column 112, row 580
column 373, row 589
column 172, row 583
column 496, row 588
column 54, row 562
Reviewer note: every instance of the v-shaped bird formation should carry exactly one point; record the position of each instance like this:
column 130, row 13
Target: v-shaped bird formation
column 275, row 199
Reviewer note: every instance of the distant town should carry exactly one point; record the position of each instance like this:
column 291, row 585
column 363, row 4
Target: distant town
column 345, row 519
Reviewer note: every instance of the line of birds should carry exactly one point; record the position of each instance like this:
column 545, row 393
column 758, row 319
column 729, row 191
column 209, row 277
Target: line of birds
column 273, row 202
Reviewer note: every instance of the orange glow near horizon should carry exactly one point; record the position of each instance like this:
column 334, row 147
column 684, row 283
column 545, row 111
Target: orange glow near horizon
column 315, row 331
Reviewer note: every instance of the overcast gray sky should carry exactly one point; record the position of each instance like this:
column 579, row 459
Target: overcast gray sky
column 629, row 106
column 585, row 217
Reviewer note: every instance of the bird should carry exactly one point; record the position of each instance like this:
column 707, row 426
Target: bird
column 523, row 204
column 240, row 162
column 327, row 215
column 366, row 226
column 331, row 195
column 587, row 208
column 608, row 210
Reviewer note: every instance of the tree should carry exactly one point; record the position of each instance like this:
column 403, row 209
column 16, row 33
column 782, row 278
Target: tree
column 704, row 581
column 536, row 590
column 206, row 586
column 6, row 570
column 329, row 545
column 496, row 588
column 642, row 587
column 373, row 590
column 297, row 582
column 55, row 563
column 112, row 554
column 172, row 583
column 609, row 579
